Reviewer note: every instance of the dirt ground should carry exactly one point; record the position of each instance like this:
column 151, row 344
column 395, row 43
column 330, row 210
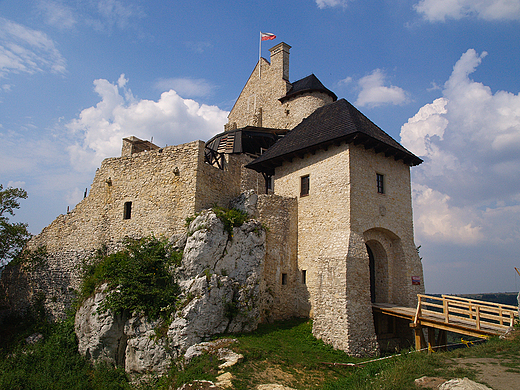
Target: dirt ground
column 489, row 371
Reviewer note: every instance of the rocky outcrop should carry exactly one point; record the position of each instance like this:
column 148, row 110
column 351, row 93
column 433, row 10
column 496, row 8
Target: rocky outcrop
column 220, row 277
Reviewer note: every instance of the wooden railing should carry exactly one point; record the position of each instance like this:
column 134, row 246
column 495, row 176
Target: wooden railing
column 474, row 312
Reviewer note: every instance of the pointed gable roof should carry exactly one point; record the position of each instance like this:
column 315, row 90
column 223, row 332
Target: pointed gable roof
column 332, row 124
column 307, row 84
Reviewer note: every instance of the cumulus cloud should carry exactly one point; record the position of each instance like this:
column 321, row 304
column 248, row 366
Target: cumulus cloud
column 24, row 50
column 331, row 3
column 187, row 87
column 440, row 10
column 170, row 120
column 374, row 92
column 467, row 188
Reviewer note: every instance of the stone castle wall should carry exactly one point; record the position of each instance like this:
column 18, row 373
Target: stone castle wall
column 341, row 215
column 386, row 223
column 286, row 295
column 259, row 104
column 164, row 186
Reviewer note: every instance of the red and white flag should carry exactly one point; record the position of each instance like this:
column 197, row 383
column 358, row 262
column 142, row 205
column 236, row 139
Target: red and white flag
column 267, row 36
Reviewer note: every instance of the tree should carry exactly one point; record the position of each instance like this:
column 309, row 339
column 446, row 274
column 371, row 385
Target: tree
column 13, row 236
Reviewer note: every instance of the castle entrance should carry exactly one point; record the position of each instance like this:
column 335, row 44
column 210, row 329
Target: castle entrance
column 378, row 265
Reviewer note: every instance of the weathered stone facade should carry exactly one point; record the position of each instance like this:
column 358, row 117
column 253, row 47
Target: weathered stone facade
column 259, row 102
column 342, row 215
column 329, row 253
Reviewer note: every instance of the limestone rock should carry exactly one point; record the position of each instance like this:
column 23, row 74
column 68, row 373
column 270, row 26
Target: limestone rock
column 206, row 242
column 100, row 334
column 246, row 202
column 217, row 347
column 199, row 385
column 144, row 352
column 462, row 384
column 219, row 278
column 220, row 281
column 224, row 380
column 126, row 342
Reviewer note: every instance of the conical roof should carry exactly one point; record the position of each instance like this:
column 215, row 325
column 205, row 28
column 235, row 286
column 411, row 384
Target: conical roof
column 307, row 84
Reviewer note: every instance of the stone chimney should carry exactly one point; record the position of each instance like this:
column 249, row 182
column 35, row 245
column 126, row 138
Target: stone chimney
column 280, row 59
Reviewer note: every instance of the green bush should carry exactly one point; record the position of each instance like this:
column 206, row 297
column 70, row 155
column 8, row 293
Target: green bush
column 138, row 277
column 230, row 218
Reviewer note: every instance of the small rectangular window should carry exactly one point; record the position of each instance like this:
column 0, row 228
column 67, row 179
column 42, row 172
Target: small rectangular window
column 380, row 183
column 304, row 185
column 284, row 279
column 128, row 210
column 304, row 276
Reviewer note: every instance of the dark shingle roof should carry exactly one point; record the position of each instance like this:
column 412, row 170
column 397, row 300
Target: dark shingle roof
column 332, row 124
column 307, row 84
column 249, row 139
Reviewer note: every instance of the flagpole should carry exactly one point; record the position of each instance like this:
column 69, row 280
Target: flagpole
column 260, row 57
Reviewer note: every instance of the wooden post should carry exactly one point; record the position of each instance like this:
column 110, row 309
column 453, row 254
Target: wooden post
column 431, row 339
column 417, row 312
column 442, row 339
column 420, row 342
column 446, row 311
column 478, row 317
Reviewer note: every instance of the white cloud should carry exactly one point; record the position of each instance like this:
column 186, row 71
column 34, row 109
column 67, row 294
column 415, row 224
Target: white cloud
column 58, row 14
column 26, row 50
column 113, row 13
column 467, row 190
column 331, row 3
column 170, row 120
column 375, row 93
column 118, row 13
column 186, row 87
column 440, row 10
column 439, row 221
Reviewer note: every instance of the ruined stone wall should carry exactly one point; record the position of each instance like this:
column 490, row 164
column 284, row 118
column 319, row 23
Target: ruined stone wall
column 217, row 186
column 161, row 186
column 164, row 187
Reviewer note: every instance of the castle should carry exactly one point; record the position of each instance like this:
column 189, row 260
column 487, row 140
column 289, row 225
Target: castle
column 333, row 189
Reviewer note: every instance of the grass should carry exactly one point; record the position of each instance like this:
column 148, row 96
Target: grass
column 53, row 363
column 284, row 353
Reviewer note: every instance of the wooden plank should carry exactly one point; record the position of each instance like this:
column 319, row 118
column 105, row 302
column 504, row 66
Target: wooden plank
column 486, row 303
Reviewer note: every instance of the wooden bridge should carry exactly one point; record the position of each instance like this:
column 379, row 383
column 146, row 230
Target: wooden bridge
column 452, row 314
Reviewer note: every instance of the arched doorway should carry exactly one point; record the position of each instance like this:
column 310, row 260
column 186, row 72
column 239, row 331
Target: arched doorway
column 372, row 275
column 378, row 265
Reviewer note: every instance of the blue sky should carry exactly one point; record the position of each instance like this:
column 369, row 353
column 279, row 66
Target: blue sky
column 440, row 76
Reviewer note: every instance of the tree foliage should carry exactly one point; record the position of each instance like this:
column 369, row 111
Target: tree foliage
column 13, row 236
